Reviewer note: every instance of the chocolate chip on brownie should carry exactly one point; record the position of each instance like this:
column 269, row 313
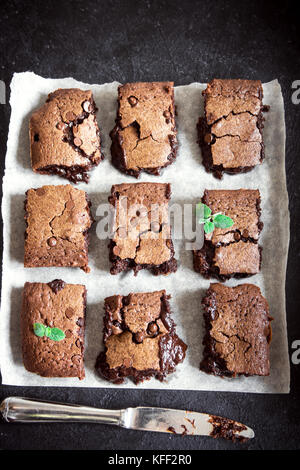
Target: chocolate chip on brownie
column 234, row 251
column 64, row 135
column 133, row 350
column 135, row 245
column 58, row 219
column 50, row 308
column 144, row 137
column 230, row 134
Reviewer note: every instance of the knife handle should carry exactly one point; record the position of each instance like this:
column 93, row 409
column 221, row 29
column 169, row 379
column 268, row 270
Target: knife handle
column 26, row 410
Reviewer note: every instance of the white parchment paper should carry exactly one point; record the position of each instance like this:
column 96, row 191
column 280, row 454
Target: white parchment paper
column 188, row 179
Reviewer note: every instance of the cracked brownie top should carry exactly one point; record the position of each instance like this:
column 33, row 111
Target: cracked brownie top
column 141, row 230
column 58, row 219
column 225, row 97
column 139, row 338
column 231, row 251
column 145, row 133
column 238, row 331
column 64, row 135
column 230, row 135
column 242, row 206
column 54, row 305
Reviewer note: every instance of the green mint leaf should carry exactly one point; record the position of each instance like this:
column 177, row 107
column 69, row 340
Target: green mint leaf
column 209, row 227
column 211, row 221
column 223, row 221
column 48, row 331
column 56, row 334
column 39, row 329
column 215, row 215
column 206, row 211
column 202, row 211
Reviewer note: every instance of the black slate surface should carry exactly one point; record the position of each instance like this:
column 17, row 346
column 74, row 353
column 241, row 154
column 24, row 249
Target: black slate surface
column 184, row 41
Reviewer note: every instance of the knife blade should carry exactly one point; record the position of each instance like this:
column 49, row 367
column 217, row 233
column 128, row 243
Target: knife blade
column 25, row 410
column 185, row 423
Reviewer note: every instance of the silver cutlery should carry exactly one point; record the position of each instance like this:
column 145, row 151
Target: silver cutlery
column 25, row 410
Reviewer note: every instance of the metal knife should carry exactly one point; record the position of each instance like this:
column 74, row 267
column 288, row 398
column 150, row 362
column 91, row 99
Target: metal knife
column 25, row 410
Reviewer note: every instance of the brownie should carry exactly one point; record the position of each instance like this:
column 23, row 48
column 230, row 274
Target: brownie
column 54, row 305
column 234, row 251
column 144, row 137
column 238, row 331
column 57, row 222
column 64, row 135
column 230, row 134
column 141, row 232
column 139, row 338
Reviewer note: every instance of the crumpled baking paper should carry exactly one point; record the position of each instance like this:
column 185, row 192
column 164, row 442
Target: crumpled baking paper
column 188, row 179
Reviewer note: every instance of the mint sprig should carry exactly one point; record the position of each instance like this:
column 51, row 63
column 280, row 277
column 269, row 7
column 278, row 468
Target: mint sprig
column 209, row 227
column 56, row 334
column 39, row 329
column 211, row 221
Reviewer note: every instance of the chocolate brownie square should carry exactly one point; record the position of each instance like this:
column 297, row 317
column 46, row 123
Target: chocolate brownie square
column 139, row 338
column 234, row 251
column 230, row 134
column 57, row 222
column 64, row 135
column 141, row 231
column 144, row 137
column 46, row 308
column 238, row 331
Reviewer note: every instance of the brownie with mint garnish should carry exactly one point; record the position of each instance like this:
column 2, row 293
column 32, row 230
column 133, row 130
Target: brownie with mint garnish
column 52, row 328
column 238, row 331
column 232, row 251
column 139, row 338
column 230, row 133
column 64, row 135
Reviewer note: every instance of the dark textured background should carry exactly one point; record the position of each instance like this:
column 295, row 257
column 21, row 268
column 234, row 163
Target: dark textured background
column 184, row 41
